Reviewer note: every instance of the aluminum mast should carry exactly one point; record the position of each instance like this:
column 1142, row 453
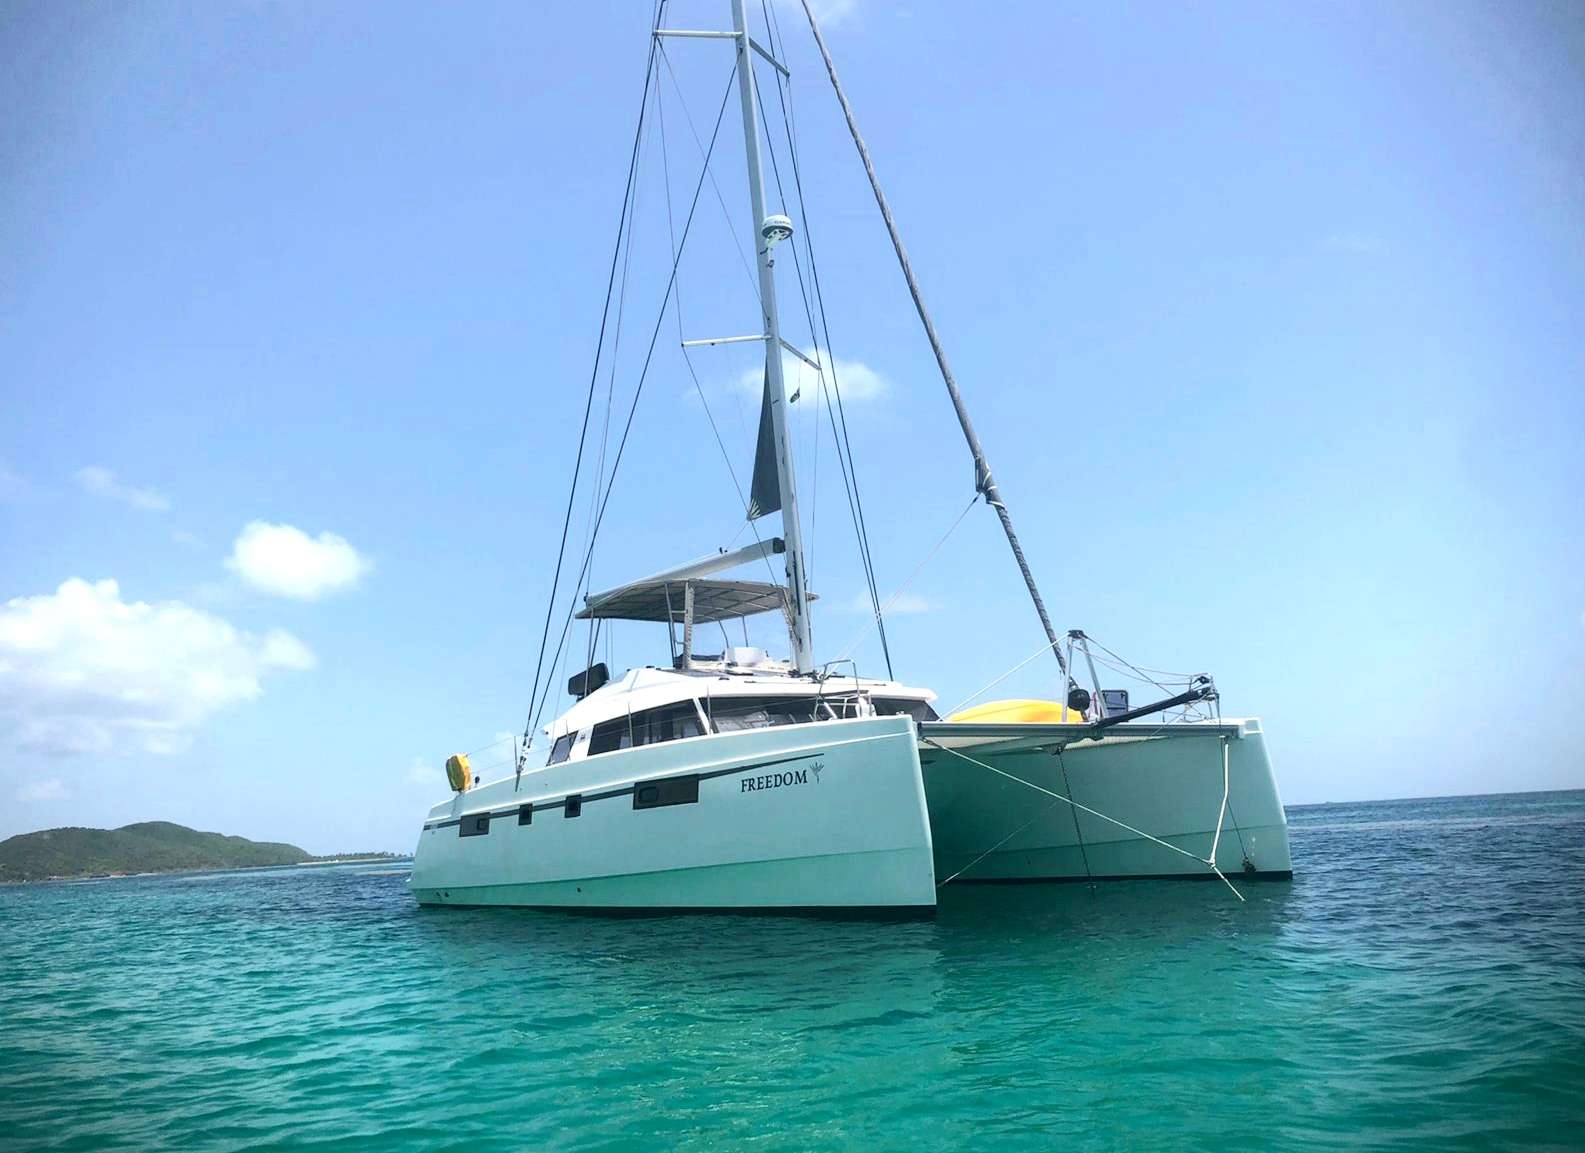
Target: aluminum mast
column 802, row 649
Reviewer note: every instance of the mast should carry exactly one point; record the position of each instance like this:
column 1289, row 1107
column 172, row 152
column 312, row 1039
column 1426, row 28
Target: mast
column 764, row 238
column 984, row 482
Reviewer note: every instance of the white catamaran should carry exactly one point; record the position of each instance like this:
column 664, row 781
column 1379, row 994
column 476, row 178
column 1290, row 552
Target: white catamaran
column 737, row 781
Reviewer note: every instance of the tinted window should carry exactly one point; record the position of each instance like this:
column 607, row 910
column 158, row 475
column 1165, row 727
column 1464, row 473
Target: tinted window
column 919, row 710
column 667, row 791
column 647, row 727
column 610, row 735
column 562, row 749
column 762, row 712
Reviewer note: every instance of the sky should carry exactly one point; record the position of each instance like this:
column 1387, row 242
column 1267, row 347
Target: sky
column 1271, row 319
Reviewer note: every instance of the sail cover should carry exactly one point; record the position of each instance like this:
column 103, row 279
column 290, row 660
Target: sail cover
column 764, row 494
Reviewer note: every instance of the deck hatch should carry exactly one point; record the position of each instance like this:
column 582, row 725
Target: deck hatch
column 666, row 791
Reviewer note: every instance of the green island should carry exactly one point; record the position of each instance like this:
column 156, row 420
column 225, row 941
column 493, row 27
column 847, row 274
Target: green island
column 147, row 847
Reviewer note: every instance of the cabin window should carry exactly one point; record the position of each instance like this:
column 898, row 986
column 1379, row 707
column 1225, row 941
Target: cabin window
column 919, row 710
column 609, row 736
column 666, row 791
column 525, row 814
column 737, row 713
column 474, row 825
column 646, row 727
column 574, row 806
column 562, row 749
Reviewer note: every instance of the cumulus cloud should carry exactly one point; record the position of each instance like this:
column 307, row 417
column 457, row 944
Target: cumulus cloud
column 284, row 560
column 99, row 481
column 857, row 380
column 82, row 671
column 49, row 789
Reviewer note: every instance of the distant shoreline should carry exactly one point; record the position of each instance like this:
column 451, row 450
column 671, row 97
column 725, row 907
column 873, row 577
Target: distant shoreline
column 150, row 848
column 367, row 859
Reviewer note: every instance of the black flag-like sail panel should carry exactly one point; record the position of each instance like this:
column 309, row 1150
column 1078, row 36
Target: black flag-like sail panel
column 764, row 494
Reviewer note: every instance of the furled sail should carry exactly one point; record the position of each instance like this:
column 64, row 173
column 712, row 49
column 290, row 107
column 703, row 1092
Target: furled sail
column 764, row 494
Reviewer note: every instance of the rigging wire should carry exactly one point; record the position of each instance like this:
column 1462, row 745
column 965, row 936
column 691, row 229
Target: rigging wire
column 671, row 232
column 610, row 386
column 981, row 692
column 843, row 443
column 605, row 314
column 902, row 588
column 737, row 241
column 638, row 393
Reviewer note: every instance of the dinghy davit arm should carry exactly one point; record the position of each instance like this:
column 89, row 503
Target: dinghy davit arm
column 1200, row 689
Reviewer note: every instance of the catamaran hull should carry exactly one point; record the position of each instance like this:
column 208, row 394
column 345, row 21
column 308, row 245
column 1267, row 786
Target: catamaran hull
column 818, row 816
column 989, row 824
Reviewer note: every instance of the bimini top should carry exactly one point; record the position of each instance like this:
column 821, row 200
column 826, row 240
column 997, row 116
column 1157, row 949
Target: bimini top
column 666, row 600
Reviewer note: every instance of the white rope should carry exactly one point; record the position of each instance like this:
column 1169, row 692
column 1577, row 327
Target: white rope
column 847, row 650
column 1092, row 812
column 1038, row 652
column 1221, row 816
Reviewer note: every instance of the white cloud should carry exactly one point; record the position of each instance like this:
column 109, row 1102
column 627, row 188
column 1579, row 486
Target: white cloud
column 82, row 671
column 286, row 561
column 49, row 789
column 99, row 481
column 902, row 604
column 182, row 537
column 856, row 380
column 282, row 650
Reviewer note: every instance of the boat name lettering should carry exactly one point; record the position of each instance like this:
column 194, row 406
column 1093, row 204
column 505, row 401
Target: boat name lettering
column 775, row 780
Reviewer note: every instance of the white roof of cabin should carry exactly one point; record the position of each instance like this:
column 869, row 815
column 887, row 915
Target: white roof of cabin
column 649, row 687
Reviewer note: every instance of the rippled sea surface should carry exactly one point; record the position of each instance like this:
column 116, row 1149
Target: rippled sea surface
column 1419, row 985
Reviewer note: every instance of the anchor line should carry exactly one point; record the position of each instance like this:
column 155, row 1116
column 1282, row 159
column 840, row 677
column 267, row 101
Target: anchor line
column 1222, row 812
column 1084, row 853
column 1093, row 812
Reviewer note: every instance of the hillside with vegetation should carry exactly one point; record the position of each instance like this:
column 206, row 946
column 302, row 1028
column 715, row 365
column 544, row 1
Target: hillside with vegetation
column 147, row 847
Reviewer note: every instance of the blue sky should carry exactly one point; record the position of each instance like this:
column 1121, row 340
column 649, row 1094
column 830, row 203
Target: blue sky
column 1270, row 320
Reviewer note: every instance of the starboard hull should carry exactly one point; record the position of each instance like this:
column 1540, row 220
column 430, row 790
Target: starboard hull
column 989, row 824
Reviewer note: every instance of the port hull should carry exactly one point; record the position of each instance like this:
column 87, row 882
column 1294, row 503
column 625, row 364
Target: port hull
column 816, row 816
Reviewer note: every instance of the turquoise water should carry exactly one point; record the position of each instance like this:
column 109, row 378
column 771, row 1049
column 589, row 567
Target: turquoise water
column 1421, row 984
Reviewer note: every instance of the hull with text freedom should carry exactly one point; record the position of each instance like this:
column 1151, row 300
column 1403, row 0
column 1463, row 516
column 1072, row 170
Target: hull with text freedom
column 828, row 815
